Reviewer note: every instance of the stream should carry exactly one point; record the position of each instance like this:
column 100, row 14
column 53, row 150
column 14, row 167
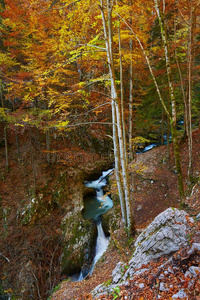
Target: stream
column 95, row 206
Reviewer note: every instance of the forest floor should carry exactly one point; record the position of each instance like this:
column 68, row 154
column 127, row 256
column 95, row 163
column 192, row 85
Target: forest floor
column 154, row 188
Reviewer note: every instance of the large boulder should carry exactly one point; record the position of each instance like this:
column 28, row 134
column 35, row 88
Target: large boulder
column 165, row 235
column 168, row 232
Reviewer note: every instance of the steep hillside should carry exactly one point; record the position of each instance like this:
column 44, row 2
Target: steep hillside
column 154, row 189
column 38, row 192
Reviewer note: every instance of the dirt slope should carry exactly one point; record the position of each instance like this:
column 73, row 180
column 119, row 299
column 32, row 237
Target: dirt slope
column 153, row 190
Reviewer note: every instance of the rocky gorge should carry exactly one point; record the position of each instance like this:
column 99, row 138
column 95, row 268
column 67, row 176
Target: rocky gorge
column 162, row 261
column 46, row 239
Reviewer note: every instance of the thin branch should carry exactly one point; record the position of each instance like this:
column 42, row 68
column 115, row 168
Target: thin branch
column 148, row 63
column 89, row 123
column 5, row 257
column 93, row 46
column 36, row 282
column 80, row 124
column 51, row 264
column 107, row 103
column 183, row 17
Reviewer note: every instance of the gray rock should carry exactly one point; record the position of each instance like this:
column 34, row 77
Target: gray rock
column 139, row 272
column 161, row 276
column 192, row 271
column 198, row 217
column 139, row 207
column 118, row 272
column 163, row 287
column 170, row 270
column 164, row 236
column 195, row 247
column 180, row 295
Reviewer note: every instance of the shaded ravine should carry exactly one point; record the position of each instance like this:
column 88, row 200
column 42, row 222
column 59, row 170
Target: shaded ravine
column 94, row 207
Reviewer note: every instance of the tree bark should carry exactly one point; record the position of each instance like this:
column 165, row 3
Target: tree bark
column 118, row 135
column 190, row 63
column 171, row 118
column 5, row 130
column 130, row 127
column 122, row 93
column 173, row 103
column 115, row 137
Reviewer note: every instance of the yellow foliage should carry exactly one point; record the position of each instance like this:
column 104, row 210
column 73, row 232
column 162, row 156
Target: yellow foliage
column 138, row 167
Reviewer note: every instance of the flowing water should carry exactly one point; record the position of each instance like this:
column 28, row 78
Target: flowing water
column 94, row 207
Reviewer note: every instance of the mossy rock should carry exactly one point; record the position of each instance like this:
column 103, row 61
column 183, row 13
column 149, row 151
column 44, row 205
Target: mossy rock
column 79, row 239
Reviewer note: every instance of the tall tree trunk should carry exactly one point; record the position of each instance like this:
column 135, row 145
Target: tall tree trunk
column 130, row 121
column 48, row 141
column 17, row 143
column 168, row 132
column 182, row 87
column 115, row 136
column 190, row 63
column 33, row 164
column 117, row 164
column 123, row 160
column 117, row 105
column 6, row 147
column 171, row 118
column 173, row 103
column 122, row 93
column 5, row 129
column 162, row 129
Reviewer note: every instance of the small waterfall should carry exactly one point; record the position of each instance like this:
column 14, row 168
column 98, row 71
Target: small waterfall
column 101, row 245
column 96, row 206
column 94, row 209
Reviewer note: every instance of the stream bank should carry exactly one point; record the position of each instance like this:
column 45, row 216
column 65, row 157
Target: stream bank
column 41, row 205
column 153, row 188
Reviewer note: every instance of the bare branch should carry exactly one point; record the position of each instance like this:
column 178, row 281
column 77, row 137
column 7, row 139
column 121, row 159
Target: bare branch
column 93, row 46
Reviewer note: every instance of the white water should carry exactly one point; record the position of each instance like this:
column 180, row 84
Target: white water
column 99, row 183
column 101, row 245
column 96, row 206
column 105, row 204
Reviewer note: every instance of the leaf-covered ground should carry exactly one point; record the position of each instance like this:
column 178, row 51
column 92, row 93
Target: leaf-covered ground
column 153, row 189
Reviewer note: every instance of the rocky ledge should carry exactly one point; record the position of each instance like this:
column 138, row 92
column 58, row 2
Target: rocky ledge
column 160, row 250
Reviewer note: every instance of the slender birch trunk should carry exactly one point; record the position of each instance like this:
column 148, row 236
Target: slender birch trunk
column 130, row 127
column 168, row 132
column 171, row 118
column 122, row 93
column 5, row 129
column 173, row 103
column 182, row 88
column 33, row 164
column 125, row 174
column 117, row 166
column 115, row 136
column 48, row 138
column 6, row 147
column 119, row 135
column 190, row 61
column 130, row 119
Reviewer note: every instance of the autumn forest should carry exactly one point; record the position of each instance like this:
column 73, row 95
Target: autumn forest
column 101, row 78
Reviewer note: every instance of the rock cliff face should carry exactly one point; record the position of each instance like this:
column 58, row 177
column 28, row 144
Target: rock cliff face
column 168, row 232
column 41, row 224
column 80, row 234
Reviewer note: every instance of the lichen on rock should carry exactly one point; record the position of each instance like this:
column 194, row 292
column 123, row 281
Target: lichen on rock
column 167, row 233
